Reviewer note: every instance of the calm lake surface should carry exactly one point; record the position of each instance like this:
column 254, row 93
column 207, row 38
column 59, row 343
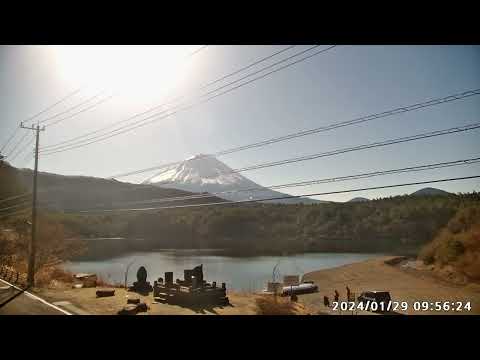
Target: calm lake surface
column 239, row 273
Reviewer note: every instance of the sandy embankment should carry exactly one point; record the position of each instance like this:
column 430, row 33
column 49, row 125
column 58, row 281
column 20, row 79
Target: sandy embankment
column 404, row 285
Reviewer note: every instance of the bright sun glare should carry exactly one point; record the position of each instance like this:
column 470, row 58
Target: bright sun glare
column 126, row 69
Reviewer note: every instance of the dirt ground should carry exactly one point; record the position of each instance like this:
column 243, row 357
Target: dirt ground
column 404, row 284
column 86, row 300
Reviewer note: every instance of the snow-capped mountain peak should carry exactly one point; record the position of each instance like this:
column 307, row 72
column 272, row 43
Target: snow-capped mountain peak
column 205, row 173
column 198, row 170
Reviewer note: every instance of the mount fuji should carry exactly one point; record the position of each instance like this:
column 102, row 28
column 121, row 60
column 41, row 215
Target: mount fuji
column 207, row 174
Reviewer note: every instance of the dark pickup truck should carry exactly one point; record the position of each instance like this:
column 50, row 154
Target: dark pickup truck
column 377, row 297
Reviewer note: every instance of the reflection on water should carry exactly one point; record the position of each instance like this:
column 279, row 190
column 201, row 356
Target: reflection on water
column 239, row 273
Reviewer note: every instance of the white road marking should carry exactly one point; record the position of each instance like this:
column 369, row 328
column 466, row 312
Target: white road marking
column 35, row 297
column 74, row 309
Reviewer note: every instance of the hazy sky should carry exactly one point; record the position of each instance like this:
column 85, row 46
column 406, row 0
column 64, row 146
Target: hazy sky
column 341, row 84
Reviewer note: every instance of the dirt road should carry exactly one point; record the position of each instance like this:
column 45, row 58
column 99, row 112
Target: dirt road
column 18, row 303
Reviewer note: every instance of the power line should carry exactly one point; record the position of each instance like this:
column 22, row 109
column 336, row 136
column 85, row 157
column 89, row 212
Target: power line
column 63, row 119
column 314, row 182
column 359, row 120
column 23, row 148
column 325, row 128
column 14, row 206
column 72, row 108
column 243, row 69
column 26, row 159
column 18, row 212
column 285, row 197
column 197, row 51
column 92, row 98
column 10, row 139
column 60, row 120
column 101, row 101
column 53, row 105
column 247, row 67
column 16, row 145
column 163, row 104
column 96, row 103
column 143, row 122
column 268, row 67
column 346, row 150
column 125, row 120
column 15, row 197
column 28, row 155
column 40, row 113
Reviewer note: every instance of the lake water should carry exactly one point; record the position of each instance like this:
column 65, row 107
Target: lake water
column 239, row 273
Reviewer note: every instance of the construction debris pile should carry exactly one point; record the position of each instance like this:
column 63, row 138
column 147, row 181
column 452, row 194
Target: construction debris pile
column 192, row 290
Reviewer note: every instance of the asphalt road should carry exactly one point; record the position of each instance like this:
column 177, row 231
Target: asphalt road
column 23, row 303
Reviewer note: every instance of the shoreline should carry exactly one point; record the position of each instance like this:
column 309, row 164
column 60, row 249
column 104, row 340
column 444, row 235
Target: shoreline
column 379, row 273
column 387, row 274
column 225, row 253
column 240, row 274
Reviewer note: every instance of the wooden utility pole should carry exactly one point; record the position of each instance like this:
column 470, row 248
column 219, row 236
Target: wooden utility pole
column 32, row 247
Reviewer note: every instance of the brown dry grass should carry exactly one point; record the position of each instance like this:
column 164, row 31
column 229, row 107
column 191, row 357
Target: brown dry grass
column 105, row 283
column 475, row 288
column 269, row 305
column 48, row 274
column 458, row 244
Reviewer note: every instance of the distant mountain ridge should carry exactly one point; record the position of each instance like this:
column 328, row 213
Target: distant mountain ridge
column 429, row 191
column 84, row 192
column 358, row 199
column 71, row 193
column 205, row 173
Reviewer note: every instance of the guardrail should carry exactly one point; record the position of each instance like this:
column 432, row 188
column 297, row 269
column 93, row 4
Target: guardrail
column 12, row 276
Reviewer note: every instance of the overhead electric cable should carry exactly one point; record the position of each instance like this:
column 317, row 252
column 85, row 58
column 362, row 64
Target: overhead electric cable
column 95, row 104
column 152, row 118
column 171, row 101
column 325, row 128
column 283, row 197
column 12, row 158
column 40, row 113
column 404, row 139
column 15, row 197
column 417, row 168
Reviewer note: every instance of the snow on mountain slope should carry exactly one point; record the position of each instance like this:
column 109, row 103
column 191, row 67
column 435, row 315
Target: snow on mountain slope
column 205, row 173
column 200, row 170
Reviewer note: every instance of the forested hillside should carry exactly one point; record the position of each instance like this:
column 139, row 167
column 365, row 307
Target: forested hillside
column 458, row 244
column 399, row 224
